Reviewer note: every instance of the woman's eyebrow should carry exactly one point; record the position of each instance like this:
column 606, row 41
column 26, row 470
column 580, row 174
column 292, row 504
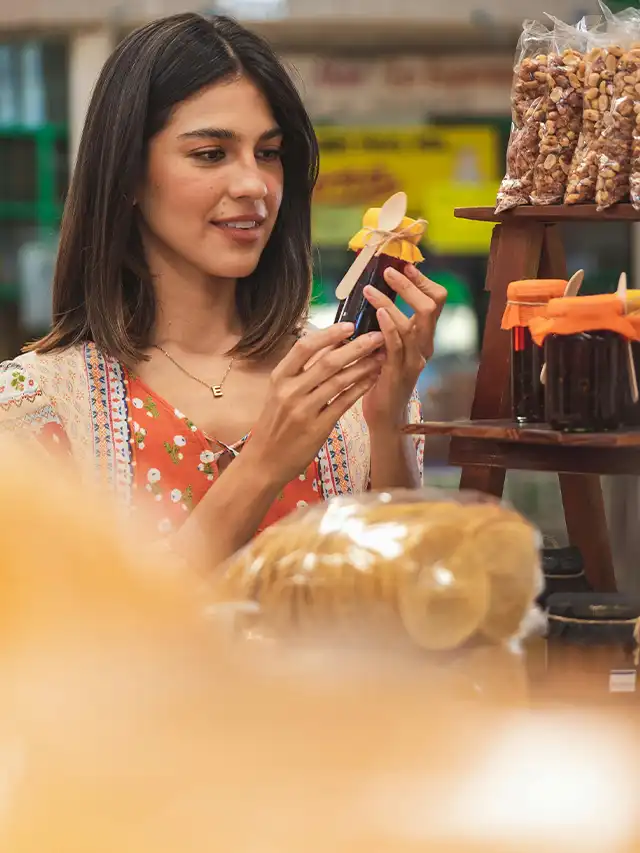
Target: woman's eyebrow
column 224, row 133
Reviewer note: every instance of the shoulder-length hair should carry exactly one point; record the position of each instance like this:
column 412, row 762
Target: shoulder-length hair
column 102, row 288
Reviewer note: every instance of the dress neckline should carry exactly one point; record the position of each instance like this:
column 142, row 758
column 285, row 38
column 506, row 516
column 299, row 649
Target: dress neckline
column 181, row 416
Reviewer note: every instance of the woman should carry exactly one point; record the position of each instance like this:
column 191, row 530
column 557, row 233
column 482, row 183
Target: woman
column 180, row 297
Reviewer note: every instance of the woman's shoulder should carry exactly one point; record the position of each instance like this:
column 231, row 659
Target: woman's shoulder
column 29, row 382
column 20, row 382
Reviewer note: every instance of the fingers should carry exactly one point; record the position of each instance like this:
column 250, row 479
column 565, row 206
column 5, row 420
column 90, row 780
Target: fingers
column 393, row 345
column 380, row 300
column 333, row 362
column 343, row 402
column 426, row 298
column 407, row 288
column 308, row 346
column 363, row 370
column 430, row 288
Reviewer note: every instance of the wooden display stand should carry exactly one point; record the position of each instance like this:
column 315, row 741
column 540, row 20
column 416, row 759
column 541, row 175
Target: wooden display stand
column 526, row 244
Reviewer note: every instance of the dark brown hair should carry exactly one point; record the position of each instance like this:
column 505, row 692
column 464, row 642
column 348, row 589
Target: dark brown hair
column 102, row 289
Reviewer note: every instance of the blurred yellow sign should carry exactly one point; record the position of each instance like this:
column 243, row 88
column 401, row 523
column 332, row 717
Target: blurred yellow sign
column 361, row 167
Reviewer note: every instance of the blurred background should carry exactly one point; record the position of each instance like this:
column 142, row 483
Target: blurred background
column 411, row 95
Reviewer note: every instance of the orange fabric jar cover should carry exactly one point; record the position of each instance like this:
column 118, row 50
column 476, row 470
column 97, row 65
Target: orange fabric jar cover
column 633, row 311
column 528, row 299
column 574, row 314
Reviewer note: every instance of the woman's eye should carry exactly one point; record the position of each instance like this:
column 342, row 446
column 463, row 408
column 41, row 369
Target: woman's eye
column 271, row 154
column 212, row 155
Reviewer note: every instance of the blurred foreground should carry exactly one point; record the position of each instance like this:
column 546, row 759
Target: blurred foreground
column 134, row 722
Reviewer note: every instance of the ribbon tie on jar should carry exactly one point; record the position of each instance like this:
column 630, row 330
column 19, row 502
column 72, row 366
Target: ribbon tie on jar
column 371, row 240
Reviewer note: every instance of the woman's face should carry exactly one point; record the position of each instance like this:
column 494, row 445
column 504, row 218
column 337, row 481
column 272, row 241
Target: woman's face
column 214, row 182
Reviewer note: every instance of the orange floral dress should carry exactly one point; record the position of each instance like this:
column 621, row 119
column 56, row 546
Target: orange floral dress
column 118, row 431
column 175, row 463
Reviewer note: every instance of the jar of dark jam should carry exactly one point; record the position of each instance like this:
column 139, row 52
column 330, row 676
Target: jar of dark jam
column 583, row 372
column 584, row 342
column 395, row 249
column 591, row 649
column 525, row 301
column 631, row 414
column 355, row 308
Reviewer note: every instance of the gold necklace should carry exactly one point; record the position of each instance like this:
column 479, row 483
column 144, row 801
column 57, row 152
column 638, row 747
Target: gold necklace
column 216, row 390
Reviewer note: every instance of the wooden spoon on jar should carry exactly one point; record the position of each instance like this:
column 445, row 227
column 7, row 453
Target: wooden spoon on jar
column 573, row 286
column 621, row 293
column 391, row 215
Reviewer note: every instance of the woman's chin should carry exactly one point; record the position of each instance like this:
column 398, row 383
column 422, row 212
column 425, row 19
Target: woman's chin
column 234, row 267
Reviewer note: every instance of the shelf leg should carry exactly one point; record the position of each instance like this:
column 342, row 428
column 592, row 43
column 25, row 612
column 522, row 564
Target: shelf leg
column 586, row 519
column 516, row 248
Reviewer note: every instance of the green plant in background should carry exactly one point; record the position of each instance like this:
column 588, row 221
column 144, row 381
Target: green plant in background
column 619, row 5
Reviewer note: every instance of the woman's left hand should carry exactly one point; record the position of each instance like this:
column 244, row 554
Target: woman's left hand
column 408, row 343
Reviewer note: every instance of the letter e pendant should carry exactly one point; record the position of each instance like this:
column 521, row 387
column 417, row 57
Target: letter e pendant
column 216, row 390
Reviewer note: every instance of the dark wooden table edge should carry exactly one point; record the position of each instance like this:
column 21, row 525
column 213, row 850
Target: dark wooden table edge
column 508, row 432
column 550, row 214
column 602, row 461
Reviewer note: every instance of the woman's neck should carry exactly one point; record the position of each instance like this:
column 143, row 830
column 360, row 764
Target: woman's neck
column 196, row 313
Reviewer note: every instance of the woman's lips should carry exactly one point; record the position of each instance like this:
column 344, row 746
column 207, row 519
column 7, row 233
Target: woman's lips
column 241, row 230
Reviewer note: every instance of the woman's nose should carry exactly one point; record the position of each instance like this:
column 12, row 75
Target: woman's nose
column 247, row 182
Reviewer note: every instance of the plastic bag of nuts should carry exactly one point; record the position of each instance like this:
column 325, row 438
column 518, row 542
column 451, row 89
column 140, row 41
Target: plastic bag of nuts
column 562, row 107
column 601, row 66
column 529, row 88
column 616, row 138
column 634, row 178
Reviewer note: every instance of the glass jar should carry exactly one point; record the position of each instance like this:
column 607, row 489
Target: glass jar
column 526, row 300
column 585, row 340
column 355, row 308
column 631, row 414
column 563, row 570
column 591, row 651
column 583, row 372
column 396, row 249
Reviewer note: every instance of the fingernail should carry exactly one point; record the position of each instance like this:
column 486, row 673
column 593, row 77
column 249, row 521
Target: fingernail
column 375, row 337
column 346, row 327
column 393, row 272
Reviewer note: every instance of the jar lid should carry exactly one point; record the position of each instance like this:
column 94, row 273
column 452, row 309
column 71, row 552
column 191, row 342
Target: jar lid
column 593, row 606
column 603, row 305
column 592, row 618
column 575, row 314
column 536, row 290
column 562, row 562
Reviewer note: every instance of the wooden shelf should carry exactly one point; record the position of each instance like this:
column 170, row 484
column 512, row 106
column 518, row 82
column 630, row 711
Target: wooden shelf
column 551, row 213
column 502, row 444
column 500, row 430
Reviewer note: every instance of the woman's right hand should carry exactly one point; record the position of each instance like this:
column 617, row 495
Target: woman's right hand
column 312, row 387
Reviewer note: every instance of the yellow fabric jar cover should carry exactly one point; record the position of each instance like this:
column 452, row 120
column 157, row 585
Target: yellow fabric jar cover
column 574, row 314
column 404, row 247
column 529, row 298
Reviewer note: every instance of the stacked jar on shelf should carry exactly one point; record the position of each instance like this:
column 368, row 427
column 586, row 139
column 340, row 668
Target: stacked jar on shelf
column 569, row 362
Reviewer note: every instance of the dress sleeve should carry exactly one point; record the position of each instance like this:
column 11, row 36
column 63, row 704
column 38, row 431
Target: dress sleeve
column 415, row 417
column 25, row 411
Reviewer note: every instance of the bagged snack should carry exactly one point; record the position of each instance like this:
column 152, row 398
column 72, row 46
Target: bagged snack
column 601, row 66
column 529, row 88
column 562, row 114
column 616, row 140
column 634, row 177
column 416, row 568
